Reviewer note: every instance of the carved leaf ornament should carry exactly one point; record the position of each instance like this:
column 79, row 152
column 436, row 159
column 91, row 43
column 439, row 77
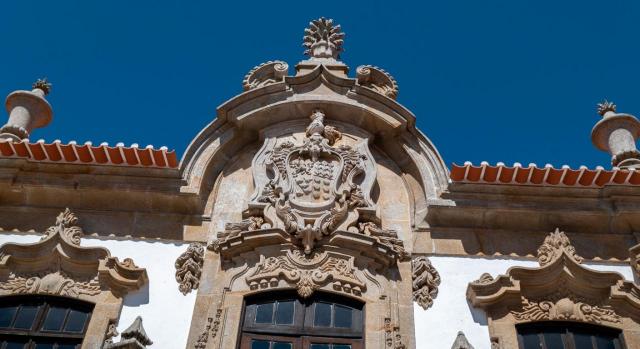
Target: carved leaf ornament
column 426, row 280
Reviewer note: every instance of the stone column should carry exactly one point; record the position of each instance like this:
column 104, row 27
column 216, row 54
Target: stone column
column 616, row 134
column 27, row 110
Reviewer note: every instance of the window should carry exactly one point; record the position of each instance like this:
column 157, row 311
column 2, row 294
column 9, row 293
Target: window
column 40, row 322
column 567, row 335
column 284, row 321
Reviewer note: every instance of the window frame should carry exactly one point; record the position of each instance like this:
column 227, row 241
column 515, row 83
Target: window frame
column 302, row 332
column 568, row 328
column 45, row 303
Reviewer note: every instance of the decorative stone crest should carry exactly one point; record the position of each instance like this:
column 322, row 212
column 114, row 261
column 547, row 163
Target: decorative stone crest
column 265, row 74
column 323, row 39
column 555, row 244
column 426, row 280
column 461, row 342
column 485, row 278
column 311, row 189
column 65, row 227
column 189, row 268
column 378, row 80
column 54, row 282
column 307, row 272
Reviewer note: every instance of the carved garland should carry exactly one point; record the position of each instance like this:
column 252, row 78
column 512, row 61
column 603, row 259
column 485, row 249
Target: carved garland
column 426, row 280
column 189, row 268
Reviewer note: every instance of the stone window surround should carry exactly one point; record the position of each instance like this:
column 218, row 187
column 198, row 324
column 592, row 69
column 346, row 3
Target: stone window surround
column 561, row 289
column 58, row 266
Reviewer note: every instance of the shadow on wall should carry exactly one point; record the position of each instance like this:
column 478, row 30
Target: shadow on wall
column 478, row 315
column 137, row 298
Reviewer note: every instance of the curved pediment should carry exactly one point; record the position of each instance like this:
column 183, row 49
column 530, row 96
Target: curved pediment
column 57, row 264
column 560, row 289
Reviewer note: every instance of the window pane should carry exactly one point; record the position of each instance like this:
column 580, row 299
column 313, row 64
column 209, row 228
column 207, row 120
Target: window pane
column 320, row 346
column 26, row 316
column 15, row 345
column 54, row 319
column 76, row 321
column 530, row 341
column 264, row 313
column 44, row 346
column 322, row 315
column 605, row 342
column 256, row 344
column 282, row 345
column 553, row 339
column 342, row 346
column 583, row 340
column 6, row 315
column 342, row 316
column 284, row 313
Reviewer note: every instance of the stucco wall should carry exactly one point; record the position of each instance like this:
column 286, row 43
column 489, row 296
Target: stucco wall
column 438, row 326
column 165, row 312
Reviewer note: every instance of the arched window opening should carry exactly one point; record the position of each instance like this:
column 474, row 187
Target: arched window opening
column 568, row 335
column 283, row 320
column 43, row 322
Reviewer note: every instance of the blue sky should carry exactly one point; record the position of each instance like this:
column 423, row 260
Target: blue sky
column 487, row 80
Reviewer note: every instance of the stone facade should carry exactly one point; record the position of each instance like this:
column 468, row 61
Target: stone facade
column 315, row 182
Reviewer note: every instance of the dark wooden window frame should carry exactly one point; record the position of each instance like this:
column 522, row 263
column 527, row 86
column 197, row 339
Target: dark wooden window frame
column 36, row 333
column 302, row 332
column 568, row 328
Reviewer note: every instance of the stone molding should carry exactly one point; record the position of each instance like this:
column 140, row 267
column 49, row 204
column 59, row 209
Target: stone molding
column 57, row 265
column 189, row 268
column 560, row 289
column 426, row 280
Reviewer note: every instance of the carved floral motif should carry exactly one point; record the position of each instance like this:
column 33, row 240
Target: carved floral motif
column 392, row 336
column 484, row 279
column 386, row 237
column 555, row 244
column 565, row 306
column 66, row 228
column 54, row 283
column 426, row 280
column 189, row 268
column 307, row 273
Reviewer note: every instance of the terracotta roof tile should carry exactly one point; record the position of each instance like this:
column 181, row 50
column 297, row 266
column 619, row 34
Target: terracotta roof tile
column 548, row 175
column 87, row 153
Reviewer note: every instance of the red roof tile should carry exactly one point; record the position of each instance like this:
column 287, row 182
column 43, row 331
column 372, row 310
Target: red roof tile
column 103, row 154
column 548, row 175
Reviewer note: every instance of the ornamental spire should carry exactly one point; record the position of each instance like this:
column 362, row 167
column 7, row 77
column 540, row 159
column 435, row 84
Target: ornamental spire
column 27, row 110
column 323, row 40
column 617, row 134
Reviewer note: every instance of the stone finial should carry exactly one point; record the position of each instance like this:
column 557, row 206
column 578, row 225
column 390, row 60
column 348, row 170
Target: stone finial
column 554, row 246
column 134, row 337
column 616, row 134
column 461, row 342
column 323, row 40
column 605, row 107
column 426, row 280
column 27, row 110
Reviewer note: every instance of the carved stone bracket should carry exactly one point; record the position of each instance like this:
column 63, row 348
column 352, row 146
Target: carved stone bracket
column 189, row 268
column 378, row 80
column 58, row 265
column 560, row 289
column 265, row 74
column 307, row 272
column 426, row 280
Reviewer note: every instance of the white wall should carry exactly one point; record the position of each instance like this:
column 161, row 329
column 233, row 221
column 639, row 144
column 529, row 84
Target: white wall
column 166, row 313
column 437, row 327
